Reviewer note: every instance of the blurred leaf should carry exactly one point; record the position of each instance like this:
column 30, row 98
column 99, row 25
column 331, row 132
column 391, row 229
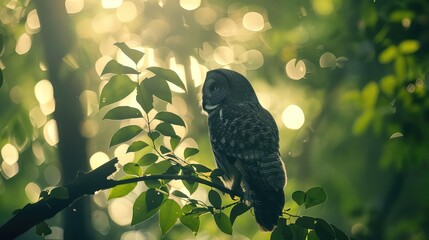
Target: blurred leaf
column 123, row 112
column 324, row 230
column 165, row 129
column 122, row 190
column 170, row 117
column 388, row 54
column 158, row 87
column 114, row 67
column 399, row 15
column 400, row 68
column 192, row 221
column 133, row 54
column 190, row 185
column 60, row 193
column 215, row 199
column 237, row 210
column 117, row 88
column 201, row 168
column 409, row 46
column 144, row 98
column 140, row 211
column 362, row 122
column 315, row 196
column 305, row 222
column 136, row 146
column 223, row 222
column 312, row 235
column 124, row 134
column 189, row 152
column 42, row 229
column 168, row 75
column 370, row 95
column 299, row 197
column 158, row 168
column 1, row 77
column 339, row 235
column 388, row 85
column 168, row 215
column 179, row 194
column 154, row 199
column 132, row 169
column 174, row 141
column 153, row 135
column 147, row 159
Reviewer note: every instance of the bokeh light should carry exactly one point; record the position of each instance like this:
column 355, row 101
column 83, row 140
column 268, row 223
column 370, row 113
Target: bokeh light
column 74, row 6
column 120, row 211
column 100, row 221
column 50, row 132
column 223, row 55
column 323, row 7
column 52, row 175
column 121, row 153
column 253, row 59
column 23, row 44
column 127, row 12
column 295, row 70
column 253, row 21
column 10, row 154
column 293, row 117
column 44, row 91
column 98, row 159
column 32, row 190
column 328, row 60
column 9, row 171
column 226, row 27
column 190, row 4
column 111, row 3
column 32, row 22
column 205, row 16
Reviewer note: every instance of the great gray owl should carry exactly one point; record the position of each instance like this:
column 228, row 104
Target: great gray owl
column 245, row 143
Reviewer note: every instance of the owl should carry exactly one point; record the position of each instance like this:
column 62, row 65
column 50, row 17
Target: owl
column 245, row 143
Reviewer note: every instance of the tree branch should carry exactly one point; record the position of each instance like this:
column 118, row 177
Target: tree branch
column 84, row 184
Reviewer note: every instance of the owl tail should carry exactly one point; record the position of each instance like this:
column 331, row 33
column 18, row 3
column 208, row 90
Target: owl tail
column 268, row 208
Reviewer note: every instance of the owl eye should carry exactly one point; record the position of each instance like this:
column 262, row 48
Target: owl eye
column 214, row 87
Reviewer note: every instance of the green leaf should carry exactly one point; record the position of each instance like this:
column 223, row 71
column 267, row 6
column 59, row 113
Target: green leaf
column 60, row 193
column 299, row 197
column 388, row 85
column 153, row 135
column 114, row 67
column 147, row 159
column 42, row 229
column 165, row 129
column 324, row 230
column 189, row 152
column 116, row 89
column 154, row 199
column 179, row 194
column 388, row 54
column 315, row 196
column 168, row 215
column 298, row 232
column 123, row 112
column 305, row 222
column 170, row 117
column 140, row 211
column 339, row 235
column 217, row 172
column 154, row 183
column 215, row 199
column 370, row 95
column 132, row 169
column 409, row 46
column 237, row 210
column 192, row 221
column 190, row 185
column 362, row 122
column 312, row 235
column 1, row 77
column 158, row 87
column 124, row 134
column 168, row 75
column 133, row 54
column 282, row 231
column 122, row 190
column 144, row 98
column 400, row 68
column 174, row 141
column 158, row 168
column 136, row 146
column 223, row 222
column 201, row 168
column 164, row 150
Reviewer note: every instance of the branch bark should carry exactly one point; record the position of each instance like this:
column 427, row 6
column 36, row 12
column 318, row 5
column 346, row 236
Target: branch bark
column 84, row 184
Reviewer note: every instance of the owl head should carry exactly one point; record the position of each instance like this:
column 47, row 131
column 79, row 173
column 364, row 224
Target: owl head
column 226, row 86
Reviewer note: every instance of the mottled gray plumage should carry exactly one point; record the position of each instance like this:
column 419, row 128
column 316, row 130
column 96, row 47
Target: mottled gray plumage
column 245, row 142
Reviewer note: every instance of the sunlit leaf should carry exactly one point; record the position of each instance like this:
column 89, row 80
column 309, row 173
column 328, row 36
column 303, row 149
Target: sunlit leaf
column 154, row 199
column 315, row 196
column 165, row 129
column 223, row 223
column 144, row 98
column 305, row 222
column 124, row 134
column 147, row 159
column 388, row 54
column 136, row 146
column 123, row 189
column 133, row 54
column 189, row 152
column 168, row 215
column 170, row 117
column 324, row 230
column 42, row 229
column 114, row 67
column 409, row 46
column 388, row 85
column 192, row 221
column 140, row 211
column 174, row 141
column 116, row 89
column 158, row 168
column 168, row 75
column 158, row 87
column 123, row 112
column 237, row 210
column 370, row 95
column 179, row 194
column 60, row 193
column 299, row 197
column 362, row 122
column 215, row 199
column 132, row 169
column 400, row 68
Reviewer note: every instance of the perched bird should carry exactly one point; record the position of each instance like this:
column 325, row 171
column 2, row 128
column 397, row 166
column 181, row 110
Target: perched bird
column 245, row 142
